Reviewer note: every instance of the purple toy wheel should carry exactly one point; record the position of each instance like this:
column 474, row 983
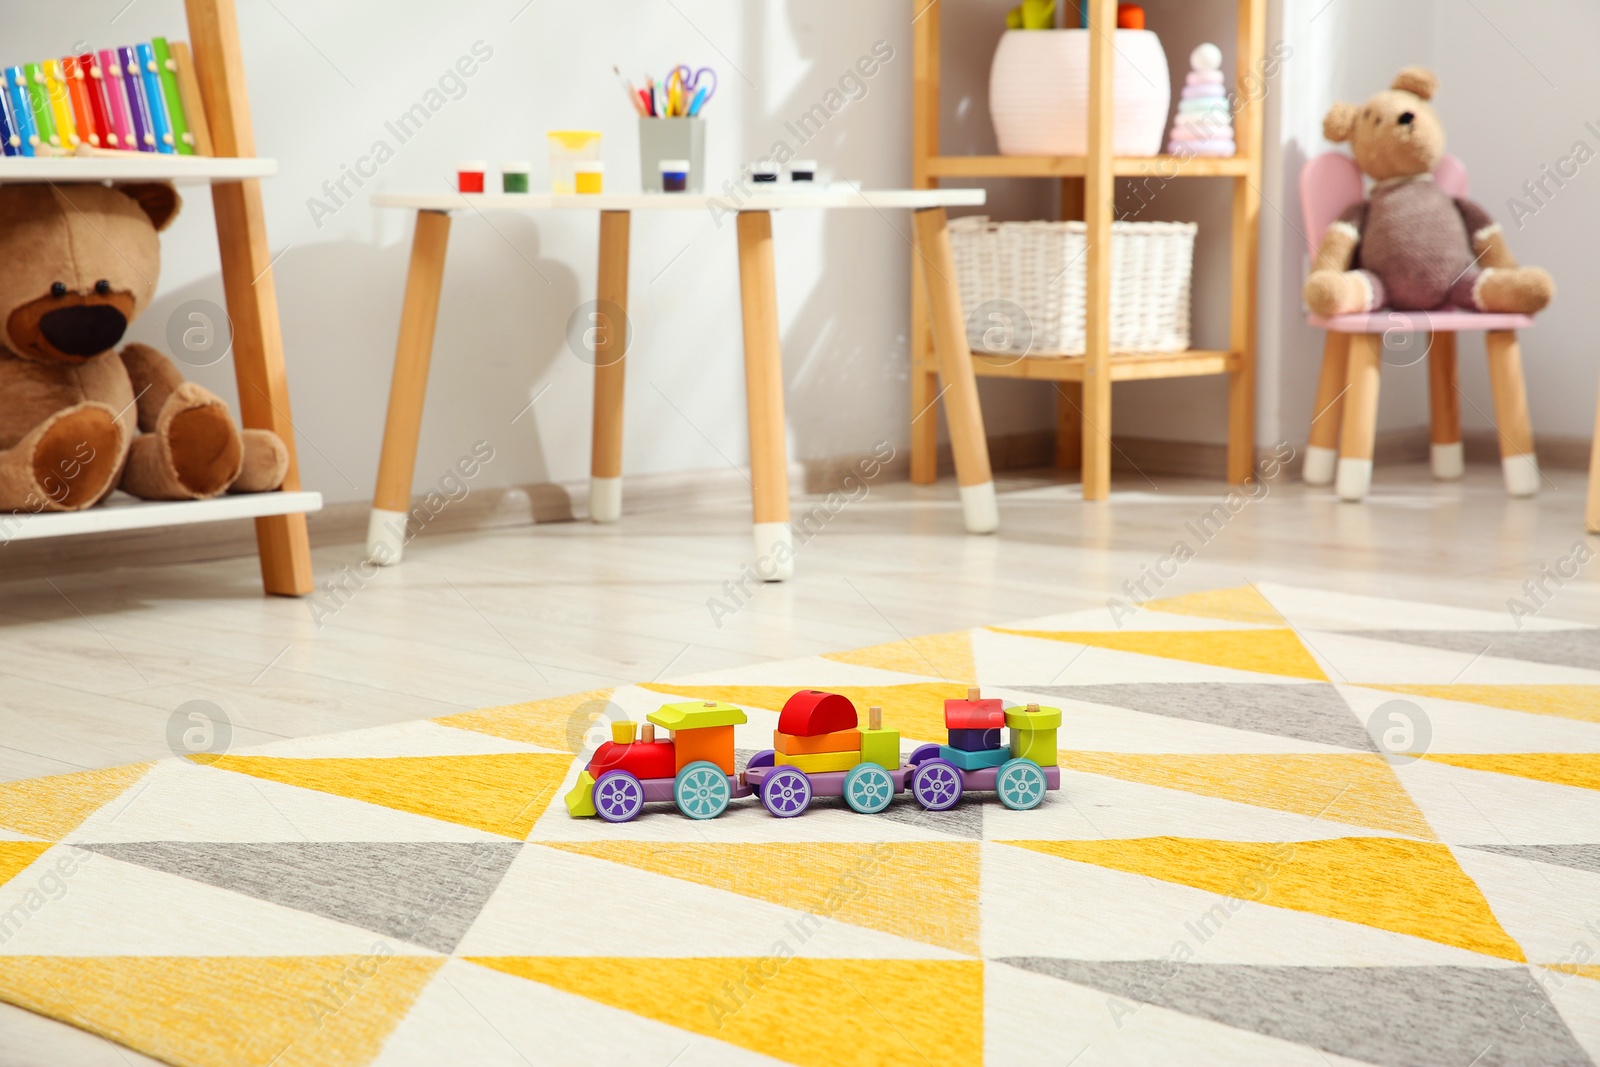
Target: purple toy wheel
column 936, row 784
column 786, row 792
column 923, row 753
column 618, row 796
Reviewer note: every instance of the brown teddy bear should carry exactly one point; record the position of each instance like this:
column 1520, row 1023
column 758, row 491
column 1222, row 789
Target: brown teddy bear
column 1409, row 246
column 78, row 419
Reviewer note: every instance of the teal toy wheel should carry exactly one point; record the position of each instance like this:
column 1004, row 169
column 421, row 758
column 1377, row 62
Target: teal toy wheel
column 868, row 788
column 701, row 790
column 1020, row 784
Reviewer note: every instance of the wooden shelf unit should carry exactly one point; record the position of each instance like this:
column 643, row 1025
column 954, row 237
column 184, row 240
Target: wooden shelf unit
column 234, row 172
column 1088, row 192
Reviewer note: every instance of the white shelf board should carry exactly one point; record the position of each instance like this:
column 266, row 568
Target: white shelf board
column 182, row 170
column 123, row 512
column 832, row 197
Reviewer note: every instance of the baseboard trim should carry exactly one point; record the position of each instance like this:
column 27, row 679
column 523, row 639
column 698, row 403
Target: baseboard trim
column 498, row 508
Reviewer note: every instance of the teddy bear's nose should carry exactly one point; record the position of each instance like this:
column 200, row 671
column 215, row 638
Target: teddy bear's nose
column 1407, row 118
column 83, row 331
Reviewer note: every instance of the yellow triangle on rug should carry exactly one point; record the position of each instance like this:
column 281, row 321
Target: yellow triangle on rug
column 250, row 1011
column 53, row 807
column 1406, row 887
column 833, row 1012
column 500, row 793
column 1260, row 651
column 948, row 656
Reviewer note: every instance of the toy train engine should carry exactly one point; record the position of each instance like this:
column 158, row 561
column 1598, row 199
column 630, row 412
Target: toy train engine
column 693, row 767
column 1020, row 771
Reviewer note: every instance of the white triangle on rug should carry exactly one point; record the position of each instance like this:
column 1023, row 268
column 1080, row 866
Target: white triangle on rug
column 1033, row 1018
column 1099, row 913
column 419, row 737
column 110, row 908
column 1319, row 609
column 1458, row 726
column 1471, row 807
column 179, row 800
column 1092, row 807
column 811, row 672
column 545, row 906
column 1546, row 908
column 471, row 1014
column 1359, row 660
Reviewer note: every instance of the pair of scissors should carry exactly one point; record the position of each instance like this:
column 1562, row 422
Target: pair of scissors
column 696, row 86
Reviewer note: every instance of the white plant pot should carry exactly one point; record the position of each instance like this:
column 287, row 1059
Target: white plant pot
column 1039, row 93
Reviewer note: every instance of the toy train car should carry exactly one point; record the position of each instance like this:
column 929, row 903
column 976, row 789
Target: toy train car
column 819, row 752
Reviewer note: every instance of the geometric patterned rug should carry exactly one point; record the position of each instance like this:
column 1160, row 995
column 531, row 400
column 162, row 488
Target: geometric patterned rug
column 1294, row 827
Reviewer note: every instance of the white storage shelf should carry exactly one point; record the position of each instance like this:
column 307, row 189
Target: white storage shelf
column 123, row 512
column 181, row 170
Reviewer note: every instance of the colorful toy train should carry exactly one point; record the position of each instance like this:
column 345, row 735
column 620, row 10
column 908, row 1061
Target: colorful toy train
column 818, row 751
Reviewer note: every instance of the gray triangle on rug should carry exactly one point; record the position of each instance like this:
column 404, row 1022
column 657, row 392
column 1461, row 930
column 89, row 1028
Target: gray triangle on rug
column 424, row 892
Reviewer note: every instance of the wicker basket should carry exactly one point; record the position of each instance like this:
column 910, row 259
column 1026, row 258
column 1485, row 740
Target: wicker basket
column 1023, row 285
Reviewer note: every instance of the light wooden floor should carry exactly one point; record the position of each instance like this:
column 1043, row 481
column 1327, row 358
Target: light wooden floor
column 93, row 666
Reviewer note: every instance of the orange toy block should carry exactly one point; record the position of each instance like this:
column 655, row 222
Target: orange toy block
column 714, row 744
column 838, row 741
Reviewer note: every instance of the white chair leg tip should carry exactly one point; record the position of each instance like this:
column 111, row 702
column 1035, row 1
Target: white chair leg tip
column 1354, row 480
column 1319, row 465
column 774, row 551
column 605, row 499
column 1449, row 461
column 386, row 537
column 979, row 508
column 1522, row 474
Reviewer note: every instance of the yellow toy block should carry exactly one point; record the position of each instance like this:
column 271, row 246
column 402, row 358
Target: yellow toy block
column 819, row 762
column 1033, row 733
column 622, row 732
column 580, row 798
column 881, row 747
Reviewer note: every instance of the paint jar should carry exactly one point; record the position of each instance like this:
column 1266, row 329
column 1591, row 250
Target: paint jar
column 803, row 170
column 469, row 176
column 514, row 176
column 589, row 178
column 674, row 175
column 765, row 173
column 568, row 148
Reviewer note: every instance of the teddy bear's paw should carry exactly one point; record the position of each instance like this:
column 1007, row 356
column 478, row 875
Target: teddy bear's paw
column 1330, row 292
column 266, row 463
column 194, row 453
column 75, row 457
column 1516, row 291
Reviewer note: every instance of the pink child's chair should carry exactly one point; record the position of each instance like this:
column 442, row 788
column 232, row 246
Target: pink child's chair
column 1344, row 422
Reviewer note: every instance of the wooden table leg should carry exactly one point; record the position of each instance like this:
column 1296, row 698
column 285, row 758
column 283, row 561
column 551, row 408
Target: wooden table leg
column 1360, row 429
column 1327, row 415
column 386, row 529
column 924, row 385
column 1517, row 458
column 961, row 406
column 610, row 356
column 1448, row 457
column 763, row 382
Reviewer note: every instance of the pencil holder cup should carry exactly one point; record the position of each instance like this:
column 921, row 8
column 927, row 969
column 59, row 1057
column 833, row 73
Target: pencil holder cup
column 681, row 138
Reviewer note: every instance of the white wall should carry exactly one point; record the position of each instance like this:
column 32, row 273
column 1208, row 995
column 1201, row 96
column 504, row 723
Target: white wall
column 326, row 77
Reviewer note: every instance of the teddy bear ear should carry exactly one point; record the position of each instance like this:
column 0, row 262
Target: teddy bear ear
column 1340, row 122
column 1419, row 81
column 158, row 200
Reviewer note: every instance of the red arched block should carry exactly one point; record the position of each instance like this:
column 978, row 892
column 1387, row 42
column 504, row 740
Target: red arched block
column 810, row 712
